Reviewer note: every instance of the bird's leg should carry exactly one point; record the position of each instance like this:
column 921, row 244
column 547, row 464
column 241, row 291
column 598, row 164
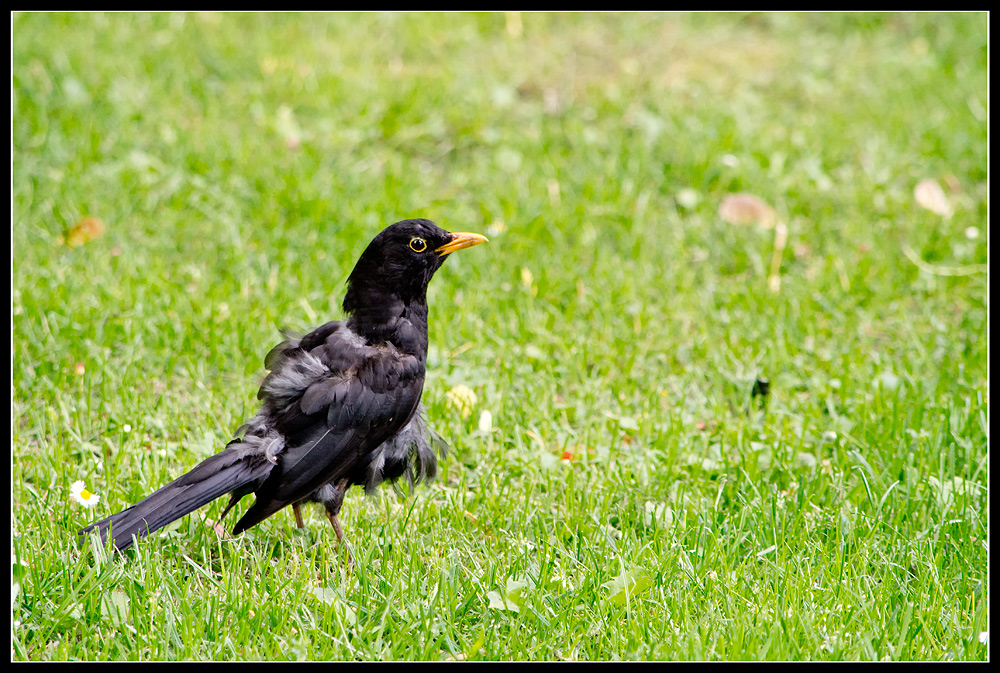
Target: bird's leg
column 333, row 509
column 340, row 537
column 336, row 526
column 298, row 515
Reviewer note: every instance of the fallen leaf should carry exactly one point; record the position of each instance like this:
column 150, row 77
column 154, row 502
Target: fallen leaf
column 216, row 526
column 511, row 599
column 84, row 231
column 629, row 584
column 929, row 195
column 114, row 606
column 497, row 602
column 747, row 209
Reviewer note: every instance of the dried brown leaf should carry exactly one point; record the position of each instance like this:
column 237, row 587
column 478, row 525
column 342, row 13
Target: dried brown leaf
column 84, row 231
column 747, row 209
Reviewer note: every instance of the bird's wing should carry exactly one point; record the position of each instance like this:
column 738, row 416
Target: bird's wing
column 334, row 404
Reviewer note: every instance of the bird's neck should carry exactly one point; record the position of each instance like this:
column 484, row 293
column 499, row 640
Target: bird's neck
column 380, row 319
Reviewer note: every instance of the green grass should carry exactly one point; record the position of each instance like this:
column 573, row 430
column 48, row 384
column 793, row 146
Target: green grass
column 240, row 163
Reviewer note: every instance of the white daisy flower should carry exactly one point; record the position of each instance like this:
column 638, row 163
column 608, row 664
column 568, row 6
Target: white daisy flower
column 78, row 493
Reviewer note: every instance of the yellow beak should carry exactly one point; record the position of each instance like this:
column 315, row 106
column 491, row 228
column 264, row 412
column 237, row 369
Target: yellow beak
column 461, row 240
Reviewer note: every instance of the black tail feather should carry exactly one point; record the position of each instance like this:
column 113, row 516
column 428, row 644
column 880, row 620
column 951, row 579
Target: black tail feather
column 233, row 470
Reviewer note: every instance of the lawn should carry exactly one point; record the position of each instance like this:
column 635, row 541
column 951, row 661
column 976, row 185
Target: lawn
column 682, row 425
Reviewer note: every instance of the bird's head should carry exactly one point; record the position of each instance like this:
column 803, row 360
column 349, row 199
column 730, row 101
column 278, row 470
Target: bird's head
column 400, row 261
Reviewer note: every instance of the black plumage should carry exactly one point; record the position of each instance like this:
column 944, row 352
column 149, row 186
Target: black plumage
column 340, row 406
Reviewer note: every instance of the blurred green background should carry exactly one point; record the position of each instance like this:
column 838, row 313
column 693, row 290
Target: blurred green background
column 186, row 184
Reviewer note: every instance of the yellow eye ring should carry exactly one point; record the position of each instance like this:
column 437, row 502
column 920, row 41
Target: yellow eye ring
column 418, row 244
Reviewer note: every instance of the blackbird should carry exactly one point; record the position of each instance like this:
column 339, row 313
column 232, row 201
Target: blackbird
column 340, row 405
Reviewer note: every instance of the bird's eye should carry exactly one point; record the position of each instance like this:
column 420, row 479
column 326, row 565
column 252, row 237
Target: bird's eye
column 418, row 244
